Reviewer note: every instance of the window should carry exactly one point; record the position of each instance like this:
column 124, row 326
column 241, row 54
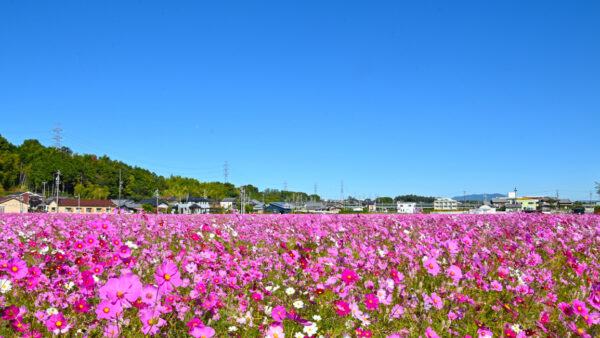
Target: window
column 98, row 209
column 107, row 209
column 68, row 209
column 88, row 210
column 77, row 209
column 1, row 209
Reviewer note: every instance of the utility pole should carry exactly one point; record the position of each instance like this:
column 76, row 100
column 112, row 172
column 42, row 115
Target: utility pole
column 557, row 200
column 120, row 187
column 44, row 189
column 464, row 198
column 342, row 192
column 79, row 202
column 590, row 198
column 57, row 188
column 156, row 194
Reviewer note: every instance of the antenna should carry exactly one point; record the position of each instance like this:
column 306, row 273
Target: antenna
column 57, row 138
column 120, row 187
column 226, row 171
column 57, row 188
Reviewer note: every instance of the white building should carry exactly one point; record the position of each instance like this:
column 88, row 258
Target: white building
column 407, row 207
column 484, row 209
column 227, row 203
column 445, row 204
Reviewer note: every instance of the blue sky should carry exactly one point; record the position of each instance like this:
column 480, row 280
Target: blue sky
column 392, row 97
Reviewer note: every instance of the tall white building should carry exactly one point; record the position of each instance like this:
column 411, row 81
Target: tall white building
column 407, row 207
column 445, row 204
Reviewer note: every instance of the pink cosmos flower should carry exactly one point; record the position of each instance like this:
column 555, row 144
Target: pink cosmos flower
column 580, row 308
column 151, row 322
column 349, row 276
column 112, row 331
column 107, row 310
column 432, row 266
column 496, row 286
column 17, row 268
column 167, row 275
column 275, row 332
column 125, row 290
column 278, row 313
column 371, row 301
column 81, row 306
column 149, row 294
column 436, row 301
column 429, row 333
column 202, row 332
column 454, row 272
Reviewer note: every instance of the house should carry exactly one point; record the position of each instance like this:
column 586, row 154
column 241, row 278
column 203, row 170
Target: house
column 445, row 204
column 12, row 204
column 484, row 209
column 407, row 207
column 162, row 204
column 83, row 206
column 278, row 208
column 195, row 205
column 227, row 203
column 527, row 204
column 128, row 206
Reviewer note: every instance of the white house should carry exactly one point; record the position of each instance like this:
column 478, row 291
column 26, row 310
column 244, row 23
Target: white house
column 445, row 204
column 227, row 203
column 193, row 205
column 407, row 207
column 484, row 209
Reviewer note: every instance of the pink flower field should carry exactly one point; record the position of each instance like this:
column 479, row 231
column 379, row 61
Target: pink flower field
column 299, row 275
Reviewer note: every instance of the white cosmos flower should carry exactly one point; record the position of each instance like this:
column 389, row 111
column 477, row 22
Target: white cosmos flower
column 298, row 304
column 69, row 285
column 51, row 311
column 268, row 310
column 5, row 285
column 310, row 330
column 299, row 335
column 290, row 291
column 233, row 328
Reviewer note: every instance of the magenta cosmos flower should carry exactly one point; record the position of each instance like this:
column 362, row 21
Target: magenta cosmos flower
column 436, row 301
column 278, row 313
column 342, row 308
column 125, row 290
column 168, row 275
column 275, row 332
column 580, row 308
column 202, row 332
column 371, row 301
column 57, row 324
column 429, row 333
column 17, row 268
column 432, row 266
column 349, row 276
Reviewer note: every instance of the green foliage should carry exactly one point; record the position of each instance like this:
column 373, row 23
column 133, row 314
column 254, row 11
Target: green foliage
column 96, row 177
column 414, row 198
column 148, row 208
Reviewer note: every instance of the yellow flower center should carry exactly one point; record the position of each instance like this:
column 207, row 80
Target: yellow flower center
column 580, row 330
column 120, row 294
column 15, row 269
column 167, row 276
column 106, row 310
column 149, row 295
column 59, row 323
column 275, row 335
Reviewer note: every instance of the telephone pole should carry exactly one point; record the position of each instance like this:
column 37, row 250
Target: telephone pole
column 156, row 194
column 44, row 189
column 57, row 188
column 120, row 187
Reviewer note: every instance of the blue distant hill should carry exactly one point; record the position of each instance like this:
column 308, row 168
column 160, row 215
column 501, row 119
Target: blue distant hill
column 478, row 197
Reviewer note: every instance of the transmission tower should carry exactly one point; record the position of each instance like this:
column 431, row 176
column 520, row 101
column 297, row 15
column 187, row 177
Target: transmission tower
column 57, row 138
column 226, row 171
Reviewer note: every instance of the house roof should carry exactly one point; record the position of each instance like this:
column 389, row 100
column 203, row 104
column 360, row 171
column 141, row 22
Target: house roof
column 228, row 199
column 74, row 202
column 194, row 199
column 8, row 198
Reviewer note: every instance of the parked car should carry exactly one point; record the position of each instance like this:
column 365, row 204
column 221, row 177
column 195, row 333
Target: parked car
column 579, row 211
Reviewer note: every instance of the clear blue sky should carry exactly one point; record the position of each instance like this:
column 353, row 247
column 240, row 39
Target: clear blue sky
column 426, row 97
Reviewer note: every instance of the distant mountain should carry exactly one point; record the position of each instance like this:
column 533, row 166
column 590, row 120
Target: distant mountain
column 477, row 197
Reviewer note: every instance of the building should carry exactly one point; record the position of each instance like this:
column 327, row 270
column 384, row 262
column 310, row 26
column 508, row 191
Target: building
column 484, row 209
column 227, row 203
column 162, row 204
column 12, row 204
column 445, row 204
column 528, row 204
column 82, row 206
column 278, row 208
column 127, row 206
column 407, row 207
